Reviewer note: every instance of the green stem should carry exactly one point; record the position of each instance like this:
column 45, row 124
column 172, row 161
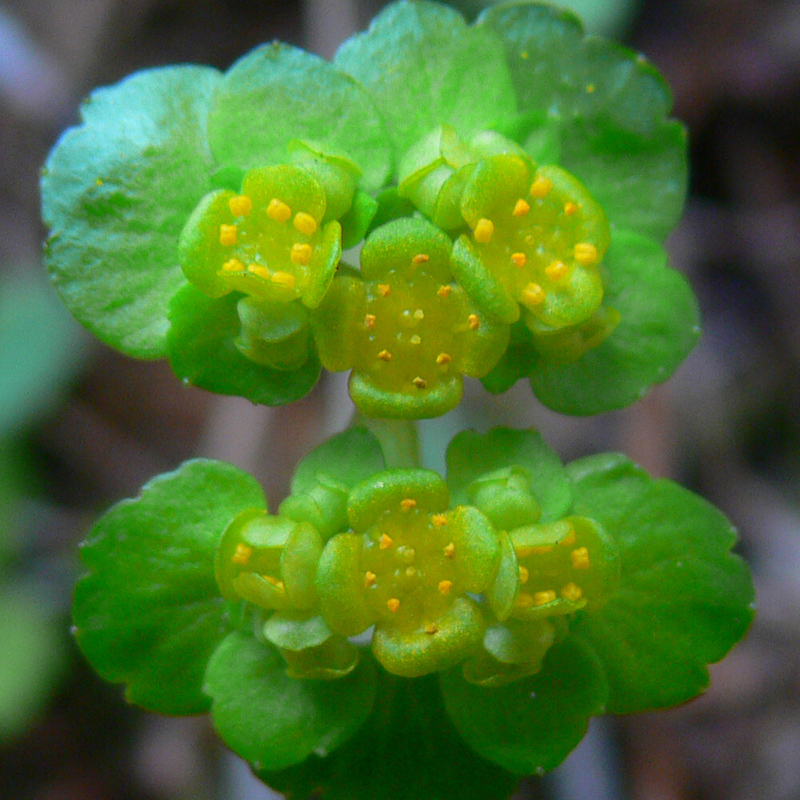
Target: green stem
column 398, row 438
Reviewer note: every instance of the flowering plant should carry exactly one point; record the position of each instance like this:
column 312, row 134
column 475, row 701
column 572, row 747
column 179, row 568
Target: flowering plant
column 391, row 631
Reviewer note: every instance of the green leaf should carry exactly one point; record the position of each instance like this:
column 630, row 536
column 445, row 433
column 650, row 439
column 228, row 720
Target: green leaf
column 425, row 67
column 274, row 721
column 278, row 93
column 407, row 750
column 683, row 600
column 612, row 107
column 202, row 353
column 471, row 455
column 149, row 613
column 40, row 350
column 530, row 726
column 116, row 192
column 659, row 326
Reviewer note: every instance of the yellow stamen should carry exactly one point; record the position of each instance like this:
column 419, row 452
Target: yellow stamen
column 301, row 254
column 431, row 628
column 420, row 383
column 444, row 291
column 570, row 208
column 415, row 339
column 533, row 295
column 439, row 520
column 585, row 253
column 305, row 223
column 556, row 271
column 521, row 208
column 408, row 503
column 443, row 358
column 227, row 235
column 384, row 289
column 385, row 542
column 445, row 587
column 543, row 598
column 284, row 279
column 278, row 584
column 484, row 230
column 278, row 210
column 370, row 579
column 519, row 260
column 240, row 205
column 261, row 271
column 420, row 258
column 393, row 605
column 589, row 88
column 242, row 554
column 385, row 355
column 450, row 550
column 419, row 314
column 541, row 187
column 523, row 600
column 524, row 574
column 369, row 320
column 572, row 592
column 233, row 265
column 473, row 322
column 580, row 558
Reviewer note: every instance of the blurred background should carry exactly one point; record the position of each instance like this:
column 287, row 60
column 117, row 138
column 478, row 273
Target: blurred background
column 81, row 426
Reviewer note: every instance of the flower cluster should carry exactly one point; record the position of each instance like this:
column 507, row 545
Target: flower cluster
column 513, row 214
column 535, row 595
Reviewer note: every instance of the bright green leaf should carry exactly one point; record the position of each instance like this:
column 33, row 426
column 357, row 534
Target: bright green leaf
column 149, row 613
column 116, row 192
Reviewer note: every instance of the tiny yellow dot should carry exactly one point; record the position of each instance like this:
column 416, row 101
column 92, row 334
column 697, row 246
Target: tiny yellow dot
column 415, row 339
column 521, row 208
column 259, row 270
column 419, row 314
column 420, row 258
column 301, row 254
column 580, row 558
column 227, row 235
column 543, row 598
column 586, row 253
column 519, row 260
column 384, row 289
column 533, row 295
column 284, row 279
column 523, row 600
column 450, row 550
column 443, row 358
column 233, row 265
column 420, row 383
column 473, row 322
column 431, row 628
column 305, row 223
column 572, row 592
column 385, row 355
column 408, row 503
column 541, row 187
column 556, row 270
column 523, row 54
column 484, row 230
column 240, row 205
column 590, row 88
column 439, row 520
column 369, row 320
column 370, row 579
column 524, row 574
column 385, row 542
column 393, row 604
column 444, row 291
column 570, row 208
column 242, row 554
column 278, row 210
column 445, row 587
